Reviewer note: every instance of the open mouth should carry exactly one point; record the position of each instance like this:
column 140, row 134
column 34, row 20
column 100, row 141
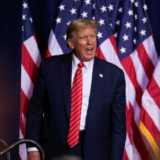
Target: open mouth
column 89, row 50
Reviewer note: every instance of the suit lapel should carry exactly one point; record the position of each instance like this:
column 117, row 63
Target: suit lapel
column 66, row 68
column 93, row 92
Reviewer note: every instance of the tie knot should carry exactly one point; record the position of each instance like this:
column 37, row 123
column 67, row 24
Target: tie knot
column 80, row 65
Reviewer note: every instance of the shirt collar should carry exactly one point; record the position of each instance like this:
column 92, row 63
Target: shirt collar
column 75, row 62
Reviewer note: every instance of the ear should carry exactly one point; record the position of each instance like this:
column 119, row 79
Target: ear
column 70, row 43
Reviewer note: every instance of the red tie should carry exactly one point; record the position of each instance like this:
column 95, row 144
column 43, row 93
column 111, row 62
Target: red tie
column 76, row 104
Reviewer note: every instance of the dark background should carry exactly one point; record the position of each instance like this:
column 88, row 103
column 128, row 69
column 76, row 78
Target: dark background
column 43, row 13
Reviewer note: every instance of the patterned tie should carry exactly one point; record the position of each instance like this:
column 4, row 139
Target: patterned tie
column 76, row 104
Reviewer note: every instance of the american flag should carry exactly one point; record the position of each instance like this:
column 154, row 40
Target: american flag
column 125, row 39
column 30, row 63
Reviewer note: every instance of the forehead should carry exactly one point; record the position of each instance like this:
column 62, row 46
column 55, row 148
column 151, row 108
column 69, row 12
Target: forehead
column 86, row 31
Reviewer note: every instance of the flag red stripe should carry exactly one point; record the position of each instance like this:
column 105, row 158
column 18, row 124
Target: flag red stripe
column 29, row 64
column 149, row 124
column 24, row 103
column 22, row 125
column 48, row 54
column 138, row 141
column 128, row 65
column 129, row 123
column 23, row 110
column 145, row 61
column 20, row 157
column 154, row 91
column 125, row 157
column 113, row 41
column 99, row 54
column 35, row 37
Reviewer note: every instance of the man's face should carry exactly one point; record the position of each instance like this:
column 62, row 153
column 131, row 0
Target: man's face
column 84, row 43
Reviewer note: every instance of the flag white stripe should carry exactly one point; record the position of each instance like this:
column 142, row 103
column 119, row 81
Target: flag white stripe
column 26, row 83
column 33, row 50
column 151, row 50
column 151, row 108
column 22, row 148
column 140, row 73
column 156, row 73
column 109, row 53
column 53, row 45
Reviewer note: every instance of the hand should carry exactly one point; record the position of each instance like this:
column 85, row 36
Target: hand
column 33, row 155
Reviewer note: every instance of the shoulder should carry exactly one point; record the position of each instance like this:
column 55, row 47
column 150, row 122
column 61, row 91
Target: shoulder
column 108, row 66
column 58, row 58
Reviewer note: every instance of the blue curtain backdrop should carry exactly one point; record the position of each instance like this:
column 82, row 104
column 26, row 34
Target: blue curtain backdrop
column 43, row 13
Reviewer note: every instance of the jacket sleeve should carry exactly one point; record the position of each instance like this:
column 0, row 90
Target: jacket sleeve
column 35, row 110
column 118, row 120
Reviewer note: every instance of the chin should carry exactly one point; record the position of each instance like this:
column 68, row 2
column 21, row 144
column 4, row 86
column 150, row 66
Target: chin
column 88, row 58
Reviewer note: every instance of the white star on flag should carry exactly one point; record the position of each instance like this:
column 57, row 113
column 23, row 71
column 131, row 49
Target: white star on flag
column 93, row 17
column 144, row 20
column 143, row 32
column 68, row 22
column 120, row 10
column 25, row 5
column 116, row 35
column 94, row 6
column 136, row 4
column 73, row 11
column 58, row 20
column 110, row 25
column 145, row 7
column 65, row 36
column 61, row 7
column 118, row 22
column 134, row 41
column 125, row 37
column 136, row 17
column 110, row 7
column 84, row 14
column 123, row 50
column 135, row 29
column 87, row 2
column 128, row 25
column 132, row 1
column 24, row 17
column 130, row 12
column 103, row 8
column 99, row 35
column 31, row 20
column 101, row 21
column 22, row 28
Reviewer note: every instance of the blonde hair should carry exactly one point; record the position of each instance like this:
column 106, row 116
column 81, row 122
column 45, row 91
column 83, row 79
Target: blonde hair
column 77, row 24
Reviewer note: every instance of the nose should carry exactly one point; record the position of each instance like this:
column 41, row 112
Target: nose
column 89, row 40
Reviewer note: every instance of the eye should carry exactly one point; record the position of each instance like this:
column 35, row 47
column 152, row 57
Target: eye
column 82, row 37
column 92, row 36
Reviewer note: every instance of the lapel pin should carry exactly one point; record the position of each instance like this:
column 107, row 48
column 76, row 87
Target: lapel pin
column 101, row 75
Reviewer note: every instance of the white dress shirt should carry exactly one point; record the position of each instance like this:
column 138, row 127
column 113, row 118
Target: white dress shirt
column 87, row 80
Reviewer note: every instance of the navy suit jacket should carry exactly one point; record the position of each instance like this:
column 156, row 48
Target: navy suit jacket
column 105, row 129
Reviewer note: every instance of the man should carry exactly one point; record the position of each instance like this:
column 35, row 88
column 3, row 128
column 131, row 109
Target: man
column 83, row 101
